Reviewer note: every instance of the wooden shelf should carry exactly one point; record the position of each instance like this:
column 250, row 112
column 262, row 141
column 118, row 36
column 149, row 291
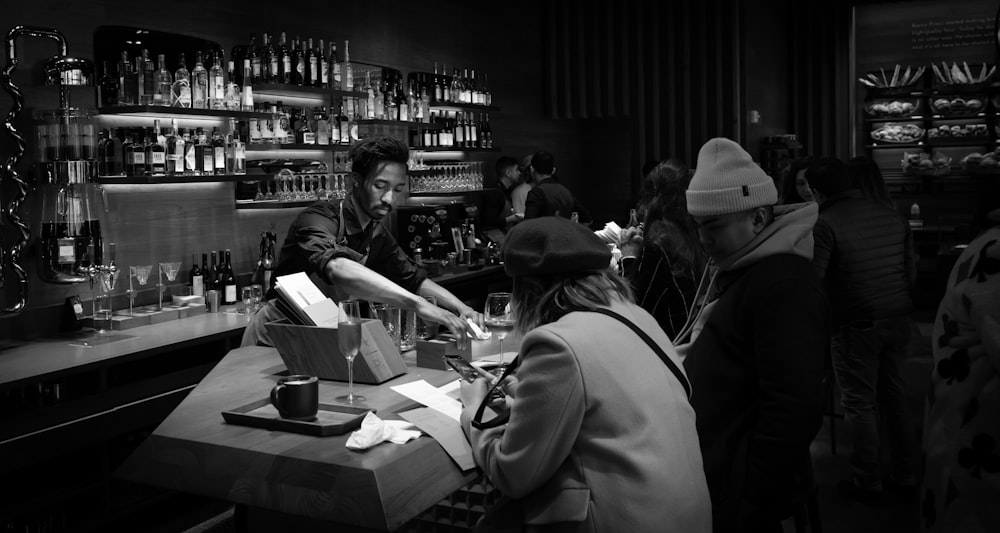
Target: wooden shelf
column 425, row 194
column 454, row 149
column 282, row 89
column 153, row 180
column 415, row 125
column 270, row 147
column 273, row 204
column 181, row 112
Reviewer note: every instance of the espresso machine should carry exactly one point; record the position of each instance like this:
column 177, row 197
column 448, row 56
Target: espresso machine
column 71, row 246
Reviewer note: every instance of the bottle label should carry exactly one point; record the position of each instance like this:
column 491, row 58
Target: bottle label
column 286, row 62
column 198, row 285
column 158, row 158
column 256, row 67
column 220, row 157
column 300, row 67
column 138, row 158
column 67, row 253
column 324, row 73
column 230, row 294
column 274, row 67
column 313, row 68
column 189, row 158
column 207, row 162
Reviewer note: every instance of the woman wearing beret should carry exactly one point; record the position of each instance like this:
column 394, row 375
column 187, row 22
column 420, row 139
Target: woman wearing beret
column 600, row 435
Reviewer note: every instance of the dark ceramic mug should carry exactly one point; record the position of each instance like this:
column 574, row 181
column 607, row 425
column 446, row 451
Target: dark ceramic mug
column 296, row 397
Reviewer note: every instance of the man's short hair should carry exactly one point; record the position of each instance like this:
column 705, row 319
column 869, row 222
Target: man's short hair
column 505, row 163
column 543, row 163
column 366, row 156
column 828, row 175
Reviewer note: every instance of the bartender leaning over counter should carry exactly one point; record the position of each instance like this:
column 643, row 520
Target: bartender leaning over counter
column 353, row 255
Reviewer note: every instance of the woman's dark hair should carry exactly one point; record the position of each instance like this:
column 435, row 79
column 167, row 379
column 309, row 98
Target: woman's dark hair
column 828, row 175
column 366, row 156
column 545, row 299
column 666, row 223
column 867, row 178
column 788, row 193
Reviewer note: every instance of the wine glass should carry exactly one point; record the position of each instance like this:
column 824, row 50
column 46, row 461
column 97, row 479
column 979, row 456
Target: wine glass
column 499, row 317
column 170, row 270
column 141, row 274
column 349, row 342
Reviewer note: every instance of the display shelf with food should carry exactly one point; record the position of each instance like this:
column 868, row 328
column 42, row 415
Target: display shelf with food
column 924, row 164
column 898, row 81
column 977, row 164
column 897, row 133
column 892, row 108
column 960, row 77
column 958, row 132
column 955, row 106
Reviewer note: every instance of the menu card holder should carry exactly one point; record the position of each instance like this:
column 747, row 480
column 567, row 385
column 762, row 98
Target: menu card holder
column 313, row 350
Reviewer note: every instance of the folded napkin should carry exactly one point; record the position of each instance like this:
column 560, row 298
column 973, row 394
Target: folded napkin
column 611, row 233
column 480, row 334
column 374, row 430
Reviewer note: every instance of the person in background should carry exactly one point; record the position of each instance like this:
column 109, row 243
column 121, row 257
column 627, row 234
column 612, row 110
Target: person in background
column 867, row 178
column 519, row 196
column 961, row 483
column 863, row 253
column 600, row 435
column 548, row 197
column 345, row 246
column 499, row 207
column 756, row 367
column 794, row 186
column 663, row 259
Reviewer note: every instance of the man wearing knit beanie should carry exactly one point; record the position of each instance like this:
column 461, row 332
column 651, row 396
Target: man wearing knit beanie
column 757, row 361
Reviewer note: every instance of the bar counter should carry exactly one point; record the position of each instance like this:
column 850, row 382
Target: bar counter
column 292, row 475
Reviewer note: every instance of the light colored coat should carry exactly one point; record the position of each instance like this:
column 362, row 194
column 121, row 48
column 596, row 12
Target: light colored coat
column 600, row 433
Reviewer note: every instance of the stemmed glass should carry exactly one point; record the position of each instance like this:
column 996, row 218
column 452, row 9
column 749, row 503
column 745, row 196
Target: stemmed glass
column 499, row 317
column 170, row 270
column 141, row 274
column 349, row 342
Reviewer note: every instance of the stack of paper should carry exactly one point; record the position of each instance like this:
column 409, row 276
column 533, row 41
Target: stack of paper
column 304, row 303
column 611, row 233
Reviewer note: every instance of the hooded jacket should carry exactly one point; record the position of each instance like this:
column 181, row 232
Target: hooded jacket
column 756, row 371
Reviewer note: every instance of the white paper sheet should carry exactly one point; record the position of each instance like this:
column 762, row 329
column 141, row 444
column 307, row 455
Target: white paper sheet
column 429, row 395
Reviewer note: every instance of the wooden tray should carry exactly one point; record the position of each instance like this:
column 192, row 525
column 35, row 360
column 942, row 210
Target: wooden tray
column 331, row 419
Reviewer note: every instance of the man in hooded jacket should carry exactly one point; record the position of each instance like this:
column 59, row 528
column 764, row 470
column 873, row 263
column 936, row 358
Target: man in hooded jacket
column 756, row 366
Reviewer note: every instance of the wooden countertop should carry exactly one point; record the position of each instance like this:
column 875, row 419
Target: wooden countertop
column 47, row 357
column 194, row 450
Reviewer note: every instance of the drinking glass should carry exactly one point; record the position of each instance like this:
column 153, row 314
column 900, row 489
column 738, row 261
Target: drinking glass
column 499, row 317
column 349, row 342
column 248, row 308
column 256, row 296
column 427, row 330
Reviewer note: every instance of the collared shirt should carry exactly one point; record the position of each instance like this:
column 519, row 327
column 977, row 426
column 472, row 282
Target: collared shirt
column 315, row 238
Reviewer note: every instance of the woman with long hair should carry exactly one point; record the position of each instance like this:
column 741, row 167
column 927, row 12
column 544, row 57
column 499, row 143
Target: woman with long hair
column 600, row 435
column 664, row 260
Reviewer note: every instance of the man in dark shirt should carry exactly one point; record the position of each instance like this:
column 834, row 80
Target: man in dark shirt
column 349, row 253
column 549, row 197
column 500, row 212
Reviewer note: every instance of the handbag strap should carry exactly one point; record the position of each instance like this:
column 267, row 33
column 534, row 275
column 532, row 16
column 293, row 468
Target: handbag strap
column 656, row 347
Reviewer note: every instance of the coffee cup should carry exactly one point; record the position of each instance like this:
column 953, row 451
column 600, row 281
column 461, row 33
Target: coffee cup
column 296, row 397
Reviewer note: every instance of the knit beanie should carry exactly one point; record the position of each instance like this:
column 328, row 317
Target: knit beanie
column 553, row 245
column 727, row 180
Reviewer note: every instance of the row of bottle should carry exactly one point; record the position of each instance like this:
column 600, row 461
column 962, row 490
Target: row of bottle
column 465, row 130
column 142, row 83
column 217, row 275
column 303, row 62
column 461, row 87
column 179, row 151
column 304, row 126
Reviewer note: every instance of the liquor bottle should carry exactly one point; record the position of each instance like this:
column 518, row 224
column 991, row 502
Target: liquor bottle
column 299, row 71
column 474, row 140
column 459, row 127
column 402, row 103
column 199, row 83
column 370, row 96
column 144, row 151
column 347, row 71
column 437, row 84
column 246, row 95
column 157, row 157
column 148, row 79
column 335, row 126
column 324, row 67
column 487, row 95
column 322, row 127
column 633, row 219
column 107, row 88
column 487, row 132
column 123, row 68
column 212, row 275
column 303, row 132
column 229, row 280
column 445, row 84
column 413, row 100
column 182, row 84
column 137, row 79
column 352, row 122
column 190, row 153
column 164, row 81
column 272, row 61
column 107, row 156
column 234, row 96
column 205, row 275
column 312, row 62
column 466, row 94
column 456, row 86
column 253, row 54
column 204, row 153
column 285, row 61
column 131, row 83
column 336, row 69
column 265, row 261
column 239, row 152
column 197, row 278
column 216, row 85
column 175, row 150
column 218, row 152
column 425, row 106
column 379, row 109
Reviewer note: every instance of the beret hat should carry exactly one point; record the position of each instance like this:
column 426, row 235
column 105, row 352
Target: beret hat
column 553, row 245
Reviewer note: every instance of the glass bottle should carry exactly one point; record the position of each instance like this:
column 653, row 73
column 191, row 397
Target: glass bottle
column 255, row 61
column 336, row 69
column 156, row 153
column 234, row 96
column 149, row 75
column 181, row 94
column 347, row 71
column 370, row 96
column 272, row 61
column 197, row 278
column 246, row 95
column 108, row 86
column 164, row 81
column 218, row 152
column 229, row 279
column 199, row 83
column 123, row 68
column 299, row 73
column 216, row 85
column 175, row 150
column 204, row 153
column 312, row 61
column 190, row 153
column 324, row 67
column 285, row 61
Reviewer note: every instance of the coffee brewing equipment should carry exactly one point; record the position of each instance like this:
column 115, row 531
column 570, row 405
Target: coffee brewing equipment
column 71, row 245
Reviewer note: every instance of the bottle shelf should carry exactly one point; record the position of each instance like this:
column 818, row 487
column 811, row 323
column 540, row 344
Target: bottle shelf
column 270, row 147
column 414, row 125
column 281, row 89
column 168, row 112
column 425, row 194
column 153, row 180
column 273, row 204
column 451, row 106
column 454, row 149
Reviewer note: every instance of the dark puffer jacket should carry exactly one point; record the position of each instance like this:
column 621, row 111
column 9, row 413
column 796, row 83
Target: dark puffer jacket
column 864, row 254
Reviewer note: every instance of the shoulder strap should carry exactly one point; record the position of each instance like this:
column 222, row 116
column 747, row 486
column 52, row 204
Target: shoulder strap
column 340, row 230
column 656, row 347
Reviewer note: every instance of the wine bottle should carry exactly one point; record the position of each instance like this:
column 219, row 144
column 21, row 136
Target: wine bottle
column 633, row 219
column 212, row 275
column 229, row 280
column 205, row 276
column 197, row 278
